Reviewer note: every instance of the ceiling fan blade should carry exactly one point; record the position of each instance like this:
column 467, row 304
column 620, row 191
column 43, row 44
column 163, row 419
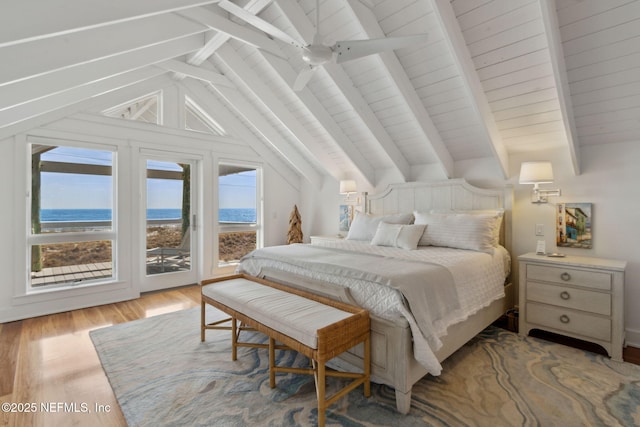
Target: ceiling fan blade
column 303, row 78
column 348, row 50
column 259, row 23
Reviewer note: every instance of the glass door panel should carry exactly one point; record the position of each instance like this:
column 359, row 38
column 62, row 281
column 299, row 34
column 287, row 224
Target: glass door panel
column 168, row 217
column 238, row 214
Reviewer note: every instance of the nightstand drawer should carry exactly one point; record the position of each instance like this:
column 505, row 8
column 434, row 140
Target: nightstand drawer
column 579, row 299
column 570, row 276
column 562, row 319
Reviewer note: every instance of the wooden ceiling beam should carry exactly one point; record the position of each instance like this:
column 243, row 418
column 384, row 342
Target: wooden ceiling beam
column 195, row 72
column 95, row 104
column 280, row 164
column 25, row 21
column 434, row 144
column 264, row 95
column 556, row 53
column 288, row 74
column 240, row 32
column 58, row 81
column 315, row 107
column 72, row 96
column 286, row 71
column 220, row 38
column 472, row 85
column 74, row 49
column 306, row 29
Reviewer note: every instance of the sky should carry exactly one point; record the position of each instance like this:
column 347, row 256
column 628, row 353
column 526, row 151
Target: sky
column 73, row 191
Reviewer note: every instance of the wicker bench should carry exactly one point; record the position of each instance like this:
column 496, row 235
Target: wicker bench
column 318, row 327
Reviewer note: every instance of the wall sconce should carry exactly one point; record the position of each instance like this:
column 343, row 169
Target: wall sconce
column 348, row 187
column 537, row 173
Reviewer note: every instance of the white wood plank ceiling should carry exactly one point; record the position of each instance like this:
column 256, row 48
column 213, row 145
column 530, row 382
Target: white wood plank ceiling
column 494, row 77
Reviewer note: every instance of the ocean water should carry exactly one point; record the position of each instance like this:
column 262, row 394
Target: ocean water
column 78, row 215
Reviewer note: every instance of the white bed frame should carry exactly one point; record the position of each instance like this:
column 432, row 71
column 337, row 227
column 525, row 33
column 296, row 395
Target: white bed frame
column 391, row 343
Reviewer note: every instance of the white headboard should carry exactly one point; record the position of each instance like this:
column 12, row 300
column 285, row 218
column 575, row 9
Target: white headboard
column 455, row 194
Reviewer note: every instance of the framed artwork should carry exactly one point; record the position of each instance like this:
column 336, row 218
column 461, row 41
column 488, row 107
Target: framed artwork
column 346, row 216
column 574, row 225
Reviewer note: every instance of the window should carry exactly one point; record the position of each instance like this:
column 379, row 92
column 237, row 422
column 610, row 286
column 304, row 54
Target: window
column 145, row 109
column 196, row 119
column 72, row 235
column 238, row 212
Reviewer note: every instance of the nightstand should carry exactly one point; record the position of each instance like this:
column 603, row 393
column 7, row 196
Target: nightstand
column 319, row 240
column 580, row 297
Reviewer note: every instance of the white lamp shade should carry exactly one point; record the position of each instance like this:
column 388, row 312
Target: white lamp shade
column 536, row 173
column 347, row 186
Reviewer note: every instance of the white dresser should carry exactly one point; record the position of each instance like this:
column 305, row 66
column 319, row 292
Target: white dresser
column 580, row 297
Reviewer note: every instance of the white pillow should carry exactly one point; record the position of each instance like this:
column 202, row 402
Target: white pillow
column 398, row 235
column 498, row 214
column 462, row 231
column 364, row 226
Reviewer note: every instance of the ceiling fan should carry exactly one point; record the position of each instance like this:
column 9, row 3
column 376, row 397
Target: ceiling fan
column 317, row 53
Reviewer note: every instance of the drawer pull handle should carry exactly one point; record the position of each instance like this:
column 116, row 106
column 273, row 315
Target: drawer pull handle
column 565, row 295
column 565, row 276
column 564, row 318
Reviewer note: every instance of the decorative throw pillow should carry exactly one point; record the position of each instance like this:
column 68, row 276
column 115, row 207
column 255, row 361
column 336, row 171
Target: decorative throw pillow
column 364, row 226
column 398, row 235
column 497, row 214
column 462, row 231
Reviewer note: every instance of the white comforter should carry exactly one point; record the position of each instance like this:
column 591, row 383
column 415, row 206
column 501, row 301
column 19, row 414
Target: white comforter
column 478, row 278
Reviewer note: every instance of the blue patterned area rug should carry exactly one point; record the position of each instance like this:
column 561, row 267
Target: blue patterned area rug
column 163, row 375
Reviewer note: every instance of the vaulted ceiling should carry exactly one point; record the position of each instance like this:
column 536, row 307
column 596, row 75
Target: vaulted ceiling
column 495, row 77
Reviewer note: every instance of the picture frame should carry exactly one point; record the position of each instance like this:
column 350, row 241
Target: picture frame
column 574, row 225
column 346, row 217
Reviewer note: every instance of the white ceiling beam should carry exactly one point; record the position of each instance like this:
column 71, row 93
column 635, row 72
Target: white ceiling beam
column 195, row 72
column 207, row 100
column 263, row 94
column 288, row 74
column 29, row 20
column 552, row 31
column 390, row 62
column 289, row 153
column 197, row 58
column 462, row 58
column 60, row 80
column 56, row 101
column 140, row 111
column 95, row 104
column 239, row 32
column 44, row 56
column 306, row 29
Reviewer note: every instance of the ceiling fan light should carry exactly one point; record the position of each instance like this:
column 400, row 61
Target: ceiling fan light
column 317, row 54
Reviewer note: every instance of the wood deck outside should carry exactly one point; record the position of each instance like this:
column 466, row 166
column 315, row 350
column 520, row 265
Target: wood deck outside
column 72, row 274
column 101, row 270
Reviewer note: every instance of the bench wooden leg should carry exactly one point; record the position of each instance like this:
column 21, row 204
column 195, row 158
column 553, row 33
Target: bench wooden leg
column 202, row 320
column 234, row 339
column 272, row 363
column 321, row 391
column 367, row 366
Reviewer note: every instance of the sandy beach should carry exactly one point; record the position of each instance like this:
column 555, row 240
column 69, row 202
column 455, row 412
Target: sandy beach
column 232, row 247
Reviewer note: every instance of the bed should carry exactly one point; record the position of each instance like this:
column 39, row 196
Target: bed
column 429, row 260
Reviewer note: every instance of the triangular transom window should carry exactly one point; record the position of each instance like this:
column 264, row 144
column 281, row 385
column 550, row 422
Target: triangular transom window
column 145, row 109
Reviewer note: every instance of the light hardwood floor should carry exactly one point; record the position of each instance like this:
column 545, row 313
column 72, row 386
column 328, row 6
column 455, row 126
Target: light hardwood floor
column 50, row 361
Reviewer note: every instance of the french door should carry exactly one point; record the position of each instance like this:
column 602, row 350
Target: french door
column 168, row 221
